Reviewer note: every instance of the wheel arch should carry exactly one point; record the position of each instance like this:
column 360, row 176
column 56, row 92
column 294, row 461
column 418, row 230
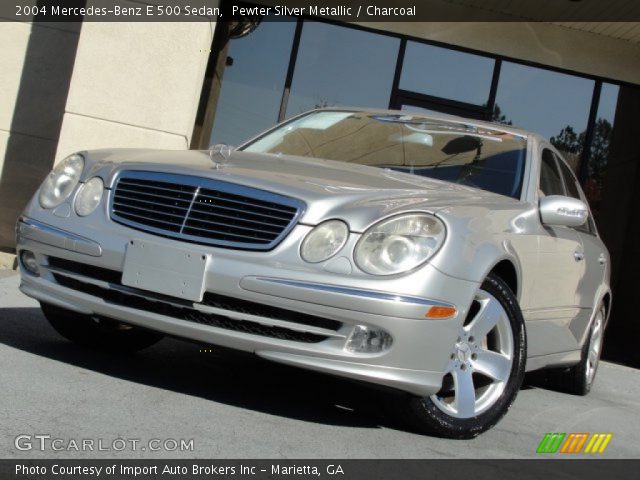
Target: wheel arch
column 507, row 271
column 606, row 299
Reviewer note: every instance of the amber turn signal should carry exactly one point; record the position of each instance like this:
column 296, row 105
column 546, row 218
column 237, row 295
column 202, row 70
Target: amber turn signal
column 439, row 312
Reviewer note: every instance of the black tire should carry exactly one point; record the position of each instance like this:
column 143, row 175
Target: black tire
column 578, row 380
column 103, row 333
column 425, row 416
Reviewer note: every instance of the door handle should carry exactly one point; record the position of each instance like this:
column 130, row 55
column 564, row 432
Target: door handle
column 578, row 256
column 602, row 259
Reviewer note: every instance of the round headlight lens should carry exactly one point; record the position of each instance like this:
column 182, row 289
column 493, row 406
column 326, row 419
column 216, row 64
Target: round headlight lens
column 399, row 244
column 59, row 184
column 324, row 241
column 89, row 196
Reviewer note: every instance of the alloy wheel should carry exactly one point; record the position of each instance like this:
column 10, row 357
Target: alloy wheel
column 481, row 361
column 595, row 346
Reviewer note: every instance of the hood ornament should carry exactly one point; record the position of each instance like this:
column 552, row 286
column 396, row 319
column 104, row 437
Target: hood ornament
column 219, row 154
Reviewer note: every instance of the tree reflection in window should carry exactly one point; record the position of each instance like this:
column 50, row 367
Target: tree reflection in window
column 570, row 143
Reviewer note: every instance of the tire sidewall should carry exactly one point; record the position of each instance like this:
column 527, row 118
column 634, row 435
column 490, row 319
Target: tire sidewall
column 82, row 330
column 442, row 424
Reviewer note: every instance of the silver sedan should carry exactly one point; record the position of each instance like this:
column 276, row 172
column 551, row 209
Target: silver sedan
column 435, row 255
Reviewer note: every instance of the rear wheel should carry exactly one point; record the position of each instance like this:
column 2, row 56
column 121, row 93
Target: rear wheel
column 579, row 379
column 102, row 333
column 485, row 370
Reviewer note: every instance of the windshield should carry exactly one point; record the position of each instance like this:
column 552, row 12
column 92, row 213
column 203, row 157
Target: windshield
column 466, row 154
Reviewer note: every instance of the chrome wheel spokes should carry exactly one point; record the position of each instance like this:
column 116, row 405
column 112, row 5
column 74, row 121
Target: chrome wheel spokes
column 494, row 365
column 481, row 361
column 465, row 393
column 490, row 313
column 595, row 346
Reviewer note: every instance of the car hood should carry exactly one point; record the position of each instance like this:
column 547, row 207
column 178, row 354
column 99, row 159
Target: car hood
column 330, row 189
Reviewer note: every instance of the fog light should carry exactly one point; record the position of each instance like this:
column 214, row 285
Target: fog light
column 365, row 339
column 29, row 262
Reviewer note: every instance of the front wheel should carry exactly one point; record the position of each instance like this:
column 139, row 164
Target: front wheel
column 102, row 333
column 484, row 373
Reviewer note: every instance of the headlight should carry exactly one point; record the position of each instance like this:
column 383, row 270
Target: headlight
column 399, row 244
column 59, row 184
column 324, row 241
column 89, row 196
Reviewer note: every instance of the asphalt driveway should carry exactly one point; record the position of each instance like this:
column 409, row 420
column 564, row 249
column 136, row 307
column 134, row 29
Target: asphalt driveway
column 237, row 406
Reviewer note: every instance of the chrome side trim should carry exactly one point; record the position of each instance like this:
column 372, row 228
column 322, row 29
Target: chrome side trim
column 358, row 292
column 43, row 233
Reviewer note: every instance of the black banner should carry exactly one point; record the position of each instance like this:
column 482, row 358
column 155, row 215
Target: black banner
column 340, row 10
column 578, row 468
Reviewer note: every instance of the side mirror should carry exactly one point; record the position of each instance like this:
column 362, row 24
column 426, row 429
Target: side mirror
column 563, row 211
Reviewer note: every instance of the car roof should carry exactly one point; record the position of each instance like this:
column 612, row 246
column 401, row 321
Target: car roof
column 440, row 116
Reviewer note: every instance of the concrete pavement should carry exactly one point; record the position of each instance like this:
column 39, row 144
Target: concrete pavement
column 237, row 406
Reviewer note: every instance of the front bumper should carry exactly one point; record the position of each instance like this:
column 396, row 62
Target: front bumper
column 271, row 304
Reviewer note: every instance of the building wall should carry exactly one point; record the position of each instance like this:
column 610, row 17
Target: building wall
column 620, row 229
column 37, row 61
column 69, row 87
column 135, row 85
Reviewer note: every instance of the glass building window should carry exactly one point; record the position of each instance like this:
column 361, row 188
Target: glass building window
column 252, row 85
column 599, row 151
column 446, row 73
column 552, row 104
column 338, row 66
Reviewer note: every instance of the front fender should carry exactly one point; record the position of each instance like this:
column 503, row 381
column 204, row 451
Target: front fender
column 479, row 238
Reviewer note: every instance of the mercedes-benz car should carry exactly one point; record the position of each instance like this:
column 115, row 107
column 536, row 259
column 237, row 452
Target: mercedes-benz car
column 435, row 255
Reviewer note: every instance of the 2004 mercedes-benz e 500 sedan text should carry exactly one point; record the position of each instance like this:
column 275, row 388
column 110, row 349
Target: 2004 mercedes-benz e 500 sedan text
column 435, row 255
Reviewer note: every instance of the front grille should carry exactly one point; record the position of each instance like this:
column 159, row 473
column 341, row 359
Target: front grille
column 201, row 210
column 182, row 309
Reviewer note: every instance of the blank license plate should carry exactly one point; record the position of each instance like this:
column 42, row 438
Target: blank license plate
column 167, row 270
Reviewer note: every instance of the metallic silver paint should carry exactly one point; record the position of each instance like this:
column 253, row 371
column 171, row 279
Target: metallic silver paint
column 556, row 210
column 558, row 295
column 40, row 232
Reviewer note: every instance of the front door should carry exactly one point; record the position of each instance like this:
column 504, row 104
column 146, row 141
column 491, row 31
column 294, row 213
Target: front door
column 560, row 270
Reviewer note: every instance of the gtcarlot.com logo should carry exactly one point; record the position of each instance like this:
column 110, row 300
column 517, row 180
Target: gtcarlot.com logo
column 574, row 443
column 45, row 442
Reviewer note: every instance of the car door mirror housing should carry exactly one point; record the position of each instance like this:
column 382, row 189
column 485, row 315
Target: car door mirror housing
column 558, row 210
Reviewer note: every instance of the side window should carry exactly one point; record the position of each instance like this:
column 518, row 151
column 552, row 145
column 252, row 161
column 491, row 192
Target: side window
column 569, row 180
column 571, row 183
column 550, row 181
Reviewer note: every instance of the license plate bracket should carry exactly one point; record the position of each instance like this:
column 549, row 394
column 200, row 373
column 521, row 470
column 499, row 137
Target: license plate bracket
column 163, row 269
